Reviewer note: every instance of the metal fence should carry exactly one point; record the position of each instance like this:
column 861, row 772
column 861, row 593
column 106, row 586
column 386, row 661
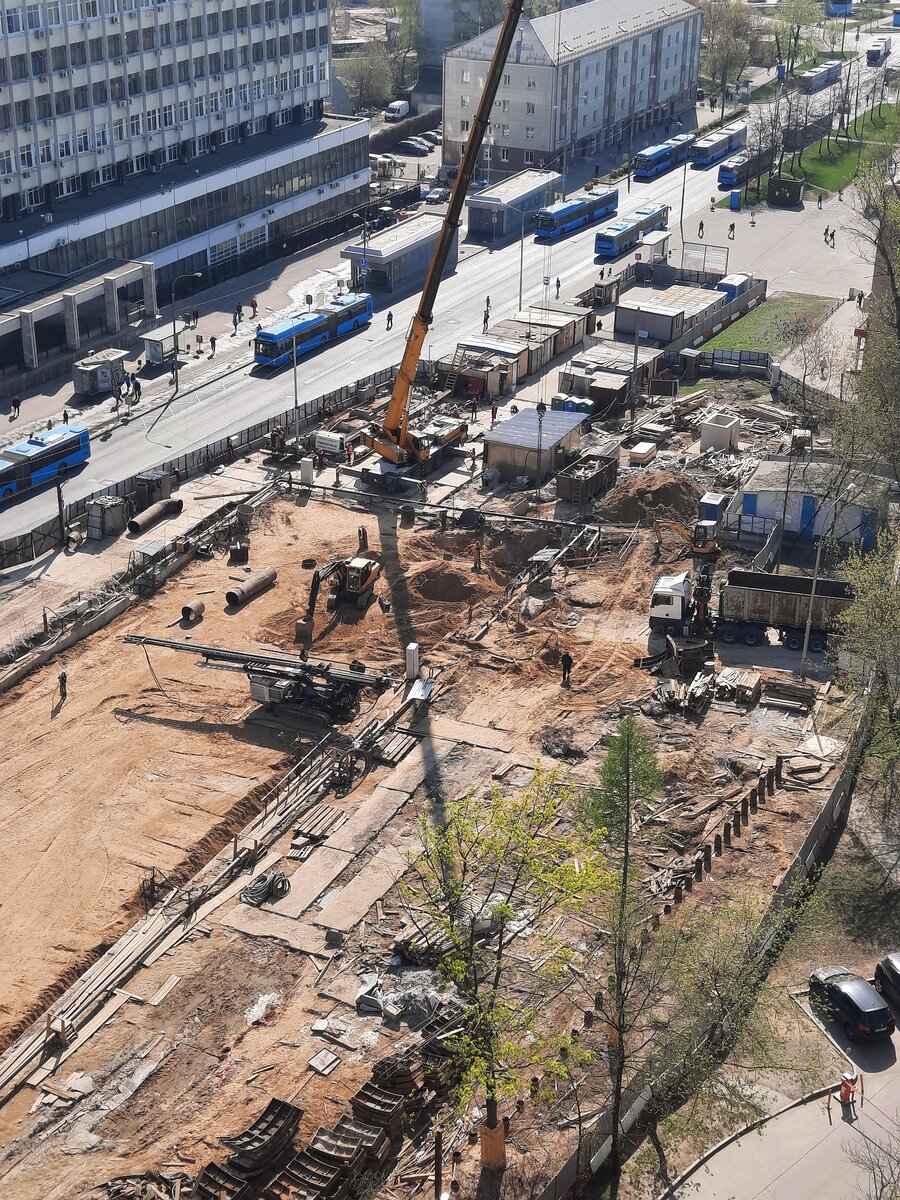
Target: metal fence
column 26, row 547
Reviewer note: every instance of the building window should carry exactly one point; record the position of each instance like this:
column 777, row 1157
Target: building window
column 506, row 80
column 229, row 97
column 504, row 155
column 138, row 165
column 33, row 198
column 14, row 21
column 487, row 154
column 530, row 107
column 529, row 132
column 255, row 239
column 184, row 111
column 199, row 106
column 105, row 175
column 229, row 135
column 168, row 116
column 464, row 102
column 83, row 141
column 464, row 127
column 64, row 147
column 323, row 71
column 151, row 121
column 465, row 77
column 68, row 187
column 504, row 131
column 101, row 136
column 201, row 144
column 33, row 17
column 532, row 83
column 5, row 162
column 528, row 158
column 260, row 124
column 223, row 252
column 26, row 156
column 45, row 151
column 135, row 124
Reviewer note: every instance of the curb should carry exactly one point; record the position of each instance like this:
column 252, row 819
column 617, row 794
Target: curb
column 704, row 1158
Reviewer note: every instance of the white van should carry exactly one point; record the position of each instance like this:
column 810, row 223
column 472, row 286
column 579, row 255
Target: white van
column 397, row 110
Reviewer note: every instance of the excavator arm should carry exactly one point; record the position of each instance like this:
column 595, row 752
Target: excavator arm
column 393, row 440
column 698, row 540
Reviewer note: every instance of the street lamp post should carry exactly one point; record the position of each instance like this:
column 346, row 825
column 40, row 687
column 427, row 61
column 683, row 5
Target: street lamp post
column 851, row 488
column 189, row 275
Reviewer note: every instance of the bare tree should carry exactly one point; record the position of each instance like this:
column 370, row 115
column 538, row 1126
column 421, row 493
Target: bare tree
column 878, row 1157
column 729, row 29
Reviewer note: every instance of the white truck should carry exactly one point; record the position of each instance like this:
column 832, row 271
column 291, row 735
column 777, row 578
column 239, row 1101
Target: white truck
column 750, row 602
column 396, row 110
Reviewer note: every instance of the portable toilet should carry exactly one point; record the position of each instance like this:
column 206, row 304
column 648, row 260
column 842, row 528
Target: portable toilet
column 712, row 505
column 895, row 19
column 735, row 200
column 780, row 72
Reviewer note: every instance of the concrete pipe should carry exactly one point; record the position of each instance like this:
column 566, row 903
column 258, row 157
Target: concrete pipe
column 156, row 512
column 251, row 587
column 193, row 612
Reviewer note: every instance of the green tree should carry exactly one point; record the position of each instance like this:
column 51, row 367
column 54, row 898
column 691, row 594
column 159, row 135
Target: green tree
column 630, row 777
column 729, row 29
column 797, row 20
column 367, row 76
column 488, row 886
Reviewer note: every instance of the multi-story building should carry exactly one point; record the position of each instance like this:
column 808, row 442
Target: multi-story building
column 187, row 134
column 576, row 82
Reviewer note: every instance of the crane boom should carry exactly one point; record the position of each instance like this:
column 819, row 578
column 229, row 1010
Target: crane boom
column 393, row 440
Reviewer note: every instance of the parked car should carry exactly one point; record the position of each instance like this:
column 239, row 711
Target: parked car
column 852, row 1001
column 418, row 141
column 438, row 195
column 433, row 137
column 408, row 146
column 701, row 94
column 887, row 977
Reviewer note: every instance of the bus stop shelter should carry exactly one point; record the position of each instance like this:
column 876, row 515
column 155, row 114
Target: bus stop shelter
column 396, row 259
column 498, row 211
column 159, row 345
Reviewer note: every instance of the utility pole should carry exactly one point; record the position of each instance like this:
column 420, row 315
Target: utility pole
column 62, row 511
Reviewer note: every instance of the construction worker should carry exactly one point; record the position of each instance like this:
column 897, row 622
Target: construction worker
column 557, row 288
column 63, row 680
column 390, row 321
column 476, row 557
column 567, row 662
column 847, row 1093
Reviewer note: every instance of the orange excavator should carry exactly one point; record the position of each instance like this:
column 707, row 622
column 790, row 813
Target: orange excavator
column 396, row 440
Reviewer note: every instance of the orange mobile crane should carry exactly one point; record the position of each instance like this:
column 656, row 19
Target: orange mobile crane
column 395, row 440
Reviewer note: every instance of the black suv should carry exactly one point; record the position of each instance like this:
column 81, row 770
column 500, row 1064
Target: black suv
column 852, row 1001
column 887, row 977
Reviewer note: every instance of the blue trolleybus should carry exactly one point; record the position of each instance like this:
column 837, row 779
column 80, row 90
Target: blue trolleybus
column 735, row 171
column 42, row 458
column 816, row 79
column 879, row 52
column 579, row 210
column 276, row 343
column 707, row 151
column 623, row 234
column 655, row 159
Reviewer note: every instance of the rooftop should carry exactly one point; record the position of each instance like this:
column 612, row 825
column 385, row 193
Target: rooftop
column 525, row 430
column 525, row 183
column 574, row 32
column 822, row 477
column 387, row 243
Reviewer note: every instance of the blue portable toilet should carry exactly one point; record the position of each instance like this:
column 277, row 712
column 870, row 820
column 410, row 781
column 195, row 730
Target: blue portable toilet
column 780, row 72
column 895, row 20
column 570, row 406
column 735, row 200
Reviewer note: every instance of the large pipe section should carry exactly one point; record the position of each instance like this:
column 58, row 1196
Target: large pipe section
column 251, row 587
column 156, row 512
column 193, row 612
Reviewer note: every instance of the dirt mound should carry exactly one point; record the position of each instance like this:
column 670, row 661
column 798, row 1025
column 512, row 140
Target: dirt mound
column 443, row 582
column 670, row 496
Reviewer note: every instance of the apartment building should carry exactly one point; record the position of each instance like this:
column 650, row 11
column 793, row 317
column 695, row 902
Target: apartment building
column 577, row 82
column 190, row 135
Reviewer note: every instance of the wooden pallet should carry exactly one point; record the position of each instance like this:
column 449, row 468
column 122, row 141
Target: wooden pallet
column 396, row 747
column 314, row 827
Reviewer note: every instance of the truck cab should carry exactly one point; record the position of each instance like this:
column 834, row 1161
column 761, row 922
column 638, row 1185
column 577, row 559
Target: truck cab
column 670, row 603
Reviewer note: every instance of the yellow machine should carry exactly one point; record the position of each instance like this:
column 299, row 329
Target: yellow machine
column 395, row 440
column 702, row 541
column 354, row 582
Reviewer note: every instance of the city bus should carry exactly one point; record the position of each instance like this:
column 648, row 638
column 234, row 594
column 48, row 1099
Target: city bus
column 655, row 159
column 878, row 52
column 707, row 151
column 275, row 344
column 816, row 79
column 735, row 171
column 623, row 234
column 584, row 208
column 42, row 458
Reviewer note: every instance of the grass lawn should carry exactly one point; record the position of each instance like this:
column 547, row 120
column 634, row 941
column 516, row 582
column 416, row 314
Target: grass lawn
column 768, row 327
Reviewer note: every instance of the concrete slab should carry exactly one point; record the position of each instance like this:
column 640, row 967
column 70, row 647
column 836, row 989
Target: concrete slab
column 368, row 820
column 256, row 922
column 352, row 903
column 423, row 760
column 448, row 729
column 309, row 881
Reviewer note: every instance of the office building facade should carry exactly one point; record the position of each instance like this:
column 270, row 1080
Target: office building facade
column 576, row 83
column 190, row 135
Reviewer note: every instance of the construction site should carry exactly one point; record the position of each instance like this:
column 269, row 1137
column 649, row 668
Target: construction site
column 218, row 771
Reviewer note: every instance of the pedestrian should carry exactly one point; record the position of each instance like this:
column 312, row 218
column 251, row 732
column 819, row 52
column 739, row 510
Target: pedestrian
column 487, row 304
column 349, row 454
column 16, row 405
column 700, row 230
column 195, row 316
column 65, row 419
column 63, row 680
column 118, row 401
column 859, row 300
column 240, row 312
column 474, row 408
column 49, row 424
column 486, row 321
column 212, row 345
column 567, row 663
column 137, row 389
column 493, row 412
column 831, row 238
column 254, row 306
column 557, row 289
column 819, row 200
column 840, row 194
column 476, row 557
column 234, row 321
column 390, row 320
column 827, row 231
column 731, row 231
column 126, row 380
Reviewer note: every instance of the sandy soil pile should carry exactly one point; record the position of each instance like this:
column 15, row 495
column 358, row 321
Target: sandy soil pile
column 671, row 496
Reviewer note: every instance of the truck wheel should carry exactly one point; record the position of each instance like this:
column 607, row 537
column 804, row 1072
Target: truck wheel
column 728, row 634
column 672, row 630
column 816, row 643
column 751, row 637
column 793, row 641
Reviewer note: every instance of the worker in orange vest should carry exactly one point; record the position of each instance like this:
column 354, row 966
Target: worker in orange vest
column 847, row 1094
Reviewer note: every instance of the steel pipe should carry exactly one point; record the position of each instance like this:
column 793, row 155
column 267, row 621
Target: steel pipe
column 251, row 587
column 193, row 612
column 156, row 512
